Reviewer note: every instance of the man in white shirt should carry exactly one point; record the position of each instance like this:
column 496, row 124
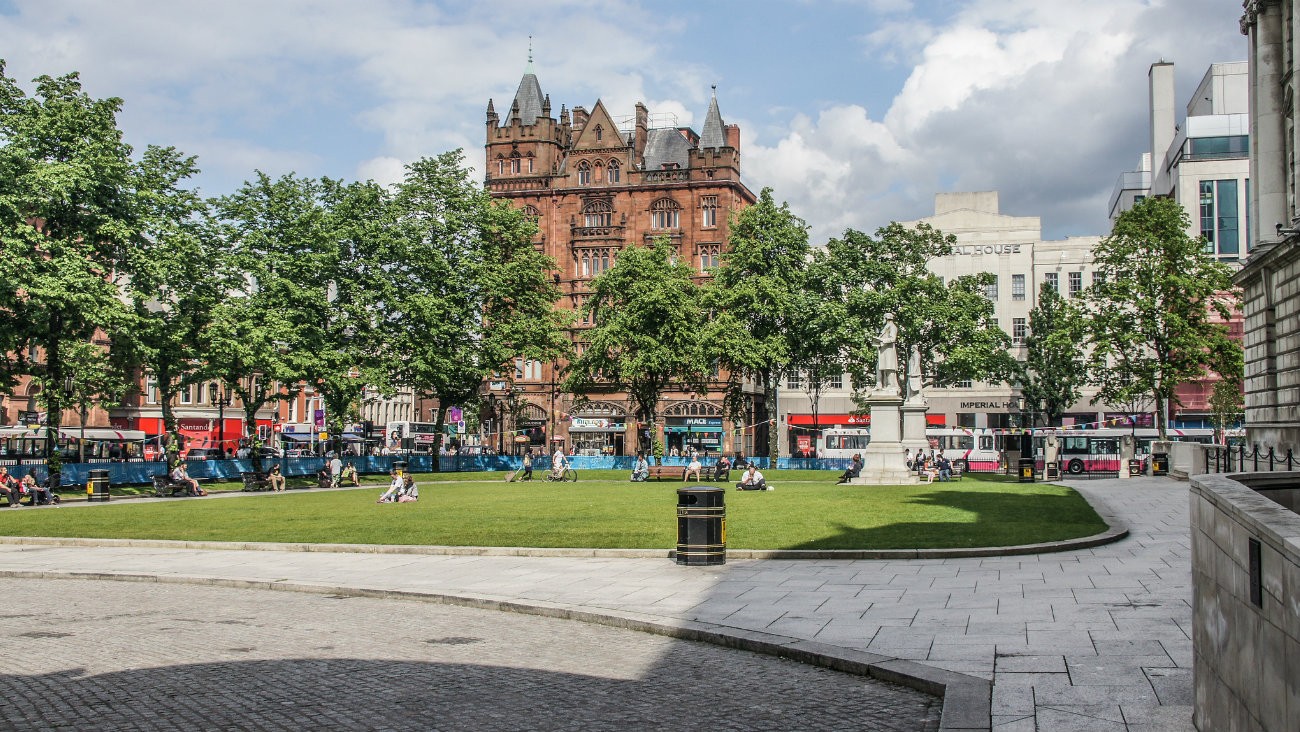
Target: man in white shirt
column 692, row 469
column 752, row 480
column 558, row 464
column 336, row 470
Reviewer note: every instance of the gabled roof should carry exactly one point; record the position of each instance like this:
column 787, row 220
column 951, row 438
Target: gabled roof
column 610, row 136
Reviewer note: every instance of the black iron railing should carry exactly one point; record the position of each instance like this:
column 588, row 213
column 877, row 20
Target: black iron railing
column 1237, row 459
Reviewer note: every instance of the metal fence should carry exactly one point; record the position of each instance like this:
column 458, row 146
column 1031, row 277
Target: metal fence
column 1237, row 459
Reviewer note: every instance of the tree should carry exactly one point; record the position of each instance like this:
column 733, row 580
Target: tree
column 67, row 187
column 173, row 285
column 646, row 336
column 1226, row 404
column 1054, row 369
column 755, row 298
column 1153, row 324
column 263, row 338
column 465, row 289
column 818, row 335
column 953, row 323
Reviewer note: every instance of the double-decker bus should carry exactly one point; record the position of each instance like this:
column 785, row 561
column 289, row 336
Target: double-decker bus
column 844, row 442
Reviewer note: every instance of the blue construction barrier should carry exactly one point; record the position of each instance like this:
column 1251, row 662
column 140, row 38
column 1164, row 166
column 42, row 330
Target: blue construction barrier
column 141, row 473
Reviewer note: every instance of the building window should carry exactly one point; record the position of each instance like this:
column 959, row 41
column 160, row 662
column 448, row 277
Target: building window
column 835, row 382
column 584, row 173
column 1052, row 280
column 964, row 384
column 597, row 213
column 1019, row 329
column 600, row 133
column 613, row 171
column 1076, row 283
column 991, row 289
column 664, row 214
column 1219, row 220
column 593, row 262
column 527, row 369
column 514, row 163
column 793, row 380
column 501, row 165
column 151, row 390
column 1017, row 287
column 1097, row 278
column 530, row 163
column 709, row 211
column 708, row 257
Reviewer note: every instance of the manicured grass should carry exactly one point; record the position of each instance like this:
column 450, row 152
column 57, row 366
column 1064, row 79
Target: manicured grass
column 806, row 511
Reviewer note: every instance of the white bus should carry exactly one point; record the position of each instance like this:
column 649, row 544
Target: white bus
column 844, row 442
column 1080, row 450
column 411, row 436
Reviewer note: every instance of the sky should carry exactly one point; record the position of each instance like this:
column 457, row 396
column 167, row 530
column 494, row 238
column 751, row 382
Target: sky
column 856, row 112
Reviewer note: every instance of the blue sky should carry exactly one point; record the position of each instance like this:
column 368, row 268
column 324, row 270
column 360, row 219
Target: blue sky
column 855, row 111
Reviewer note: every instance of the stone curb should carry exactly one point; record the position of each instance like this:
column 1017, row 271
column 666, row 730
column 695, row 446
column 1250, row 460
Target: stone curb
column 1110, row 535
column 967, row 700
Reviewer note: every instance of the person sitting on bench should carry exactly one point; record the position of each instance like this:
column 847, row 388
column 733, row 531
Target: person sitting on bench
column 855, row 469
column 752, row 480
column 722, row 470
column 275, row 478
column 182, row 476
column 693, row 467
column 640, row 469
column 9, row 488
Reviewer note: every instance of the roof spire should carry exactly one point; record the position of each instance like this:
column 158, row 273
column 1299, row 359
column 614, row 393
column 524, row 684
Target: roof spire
column 529, row 68
column 528, row 97
column 713, row 135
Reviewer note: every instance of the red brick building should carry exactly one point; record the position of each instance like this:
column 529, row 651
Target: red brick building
column 597, row 183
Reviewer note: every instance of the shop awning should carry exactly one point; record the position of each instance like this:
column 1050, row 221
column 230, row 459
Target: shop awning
column 22, row 431
column 696, row 428
column 294, row 437
column 101, row 433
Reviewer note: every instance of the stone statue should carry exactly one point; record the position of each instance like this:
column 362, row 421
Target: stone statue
column 914, row 374
column 887, row 356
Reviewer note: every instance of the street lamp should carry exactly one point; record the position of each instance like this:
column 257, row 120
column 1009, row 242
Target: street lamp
column 222, row 400
column 70, row 389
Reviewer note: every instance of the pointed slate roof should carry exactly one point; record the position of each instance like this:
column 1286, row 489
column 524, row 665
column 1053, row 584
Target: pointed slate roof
column 713, row 134
column 666, row 145
column 528, row 98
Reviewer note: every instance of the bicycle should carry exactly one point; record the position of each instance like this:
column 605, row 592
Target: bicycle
column 569, row 475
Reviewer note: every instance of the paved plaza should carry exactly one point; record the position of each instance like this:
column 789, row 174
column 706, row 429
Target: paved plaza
column 1086, row 639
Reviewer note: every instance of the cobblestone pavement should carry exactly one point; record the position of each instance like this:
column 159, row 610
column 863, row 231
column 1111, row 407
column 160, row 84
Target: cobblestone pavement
column 103, row 655
column 1088, row 639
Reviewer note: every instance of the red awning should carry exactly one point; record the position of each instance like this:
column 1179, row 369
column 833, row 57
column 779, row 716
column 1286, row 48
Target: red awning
column 853, row 420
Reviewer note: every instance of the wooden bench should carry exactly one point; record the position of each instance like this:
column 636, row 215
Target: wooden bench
column 163, row 487
column 659, row 472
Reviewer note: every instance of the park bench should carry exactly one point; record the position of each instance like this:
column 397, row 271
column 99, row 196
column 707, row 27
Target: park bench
column 256, row 482
column 164, row 487
column 659, row 472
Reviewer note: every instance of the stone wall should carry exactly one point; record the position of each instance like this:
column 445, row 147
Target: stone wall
column 1246, row 622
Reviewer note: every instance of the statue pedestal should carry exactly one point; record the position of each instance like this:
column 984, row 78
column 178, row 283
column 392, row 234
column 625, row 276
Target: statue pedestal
column 883, row 462
column 914, row 439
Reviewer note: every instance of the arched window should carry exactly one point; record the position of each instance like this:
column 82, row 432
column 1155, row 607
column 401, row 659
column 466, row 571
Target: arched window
column 613, row 171
column 514, row 162
column 665, row 214
column 584, row 173
column 600, row 133
column 597, row 213
column 600, row 172
column 532, row 213
column 501, row 165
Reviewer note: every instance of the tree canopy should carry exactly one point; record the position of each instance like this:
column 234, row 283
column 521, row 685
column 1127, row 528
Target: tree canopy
column 1158, row 312
column 1054, row 370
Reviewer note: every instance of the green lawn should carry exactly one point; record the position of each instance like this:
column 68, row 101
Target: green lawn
column 806, row 511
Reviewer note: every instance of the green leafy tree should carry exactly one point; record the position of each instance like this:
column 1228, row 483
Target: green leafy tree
column 819, row 333
column 262, row 335
column 952, row 323
column 67, row 215
column 755, row 299
column 646, row 336
column 1226, row 404
column 1153, row 320
column 465, row 290
column 1054, row 370
column 173, row 285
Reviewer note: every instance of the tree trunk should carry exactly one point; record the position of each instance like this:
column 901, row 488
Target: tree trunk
column 439, row 425
column 769, row 393
column 1161, row 425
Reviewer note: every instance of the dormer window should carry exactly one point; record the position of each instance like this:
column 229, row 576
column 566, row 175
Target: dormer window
column 600, row 133
column 584, row 173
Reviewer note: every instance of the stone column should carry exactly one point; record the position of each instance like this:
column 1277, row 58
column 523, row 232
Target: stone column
column 914, row 425
column 1270, row 161
column 1126, row 448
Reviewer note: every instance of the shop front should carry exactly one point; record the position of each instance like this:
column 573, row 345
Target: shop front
column 702, row 433
column 805, row 435
column 598, row 435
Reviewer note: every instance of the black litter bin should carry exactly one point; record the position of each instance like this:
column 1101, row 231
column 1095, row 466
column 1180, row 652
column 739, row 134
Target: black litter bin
column 1135, row 467
column 97, row 486
column 701, row 526
column 1159, row 463
column 399, row 467
column 1026, row 471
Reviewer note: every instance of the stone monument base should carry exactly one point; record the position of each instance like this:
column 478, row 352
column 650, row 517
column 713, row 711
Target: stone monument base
column 883, row 462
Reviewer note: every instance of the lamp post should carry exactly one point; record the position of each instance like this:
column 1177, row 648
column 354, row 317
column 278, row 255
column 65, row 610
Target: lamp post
column 220, row 398
column 506, row 403
column 70, row 390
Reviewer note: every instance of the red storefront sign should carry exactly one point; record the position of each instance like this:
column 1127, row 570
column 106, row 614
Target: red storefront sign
column 852, row 420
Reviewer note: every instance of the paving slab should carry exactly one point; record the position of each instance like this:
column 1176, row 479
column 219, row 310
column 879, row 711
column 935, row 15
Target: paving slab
column 1122, row 600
